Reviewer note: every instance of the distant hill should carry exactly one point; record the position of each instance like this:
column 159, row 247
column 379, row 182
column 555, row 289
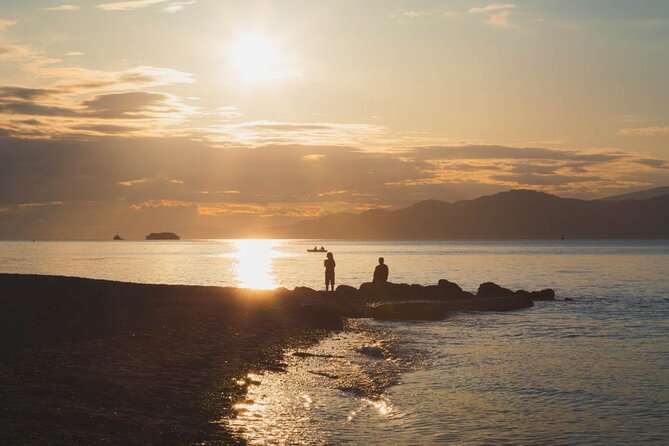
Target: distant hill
column 518, row 214
column 641, row 195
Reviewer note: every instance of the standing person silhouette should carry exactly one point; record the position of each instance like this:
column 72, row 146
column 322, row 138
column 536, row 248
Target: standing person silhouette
column 381, row 272
column 329, row 264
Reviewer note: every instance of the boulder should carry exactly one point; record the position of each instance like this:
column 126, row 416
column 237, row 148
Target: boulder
column 504, row 303
column 546, row 294
column 347, row 290
column 424, row 311
column 449, row 287
column 388, row 291
column 490, row 289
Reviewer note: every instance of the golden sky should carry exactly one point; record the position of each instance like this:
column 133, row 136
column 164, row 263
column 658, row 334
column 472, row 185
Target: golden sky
column 219, row 115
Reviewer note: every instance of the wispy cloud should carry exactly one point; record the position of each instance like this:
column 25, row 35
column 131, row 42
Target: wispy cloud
column 177, row 6
column 645, row 131
column 6, row 23
column 500, row 20
column 171, row 7
column 74, row 53
column 417, row 13
column 129, row 5
column 500, row 14
column 62, row 8
column 491, row 8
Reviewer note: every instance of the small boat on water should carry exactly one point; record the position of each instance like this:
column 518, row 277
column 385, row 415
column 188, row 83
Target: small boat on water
column 118, row 237
column 321, row 249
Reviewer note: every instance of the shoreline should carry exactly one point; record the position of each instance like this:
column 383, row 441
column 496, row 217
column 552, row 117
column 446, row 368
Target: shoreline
column 88, row 361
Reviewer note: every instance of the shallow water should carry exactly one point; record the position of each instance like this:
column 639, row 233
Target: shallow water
column 592, row 371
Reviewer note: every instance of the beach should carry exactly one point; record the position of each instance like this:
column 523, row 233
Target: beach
column 100, row 362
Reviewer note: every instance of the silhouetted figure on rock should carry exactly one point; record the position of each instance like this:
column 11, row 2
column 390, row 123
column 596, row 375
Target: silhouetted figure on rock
column 381, row 272
column 329, row 264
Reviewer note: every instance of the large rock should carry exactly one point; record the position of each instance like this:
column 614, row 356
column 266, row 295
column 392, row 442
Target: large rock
column 546, row 294
column 504, row 303
column 490, row 289
column 439, row 309
column 388, row 291
column 448, row 286
column 347, row 290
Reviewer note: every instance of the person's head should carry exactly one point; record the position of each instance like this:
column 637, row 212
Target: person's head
column 381, row 260
column 329, row 255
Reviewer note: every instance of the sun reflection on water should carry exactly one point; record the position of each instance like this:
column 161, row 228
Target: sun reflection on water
column 254, row 263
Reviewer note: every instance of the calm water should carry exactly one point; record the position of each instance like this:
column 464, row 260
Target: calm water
column 592, row 371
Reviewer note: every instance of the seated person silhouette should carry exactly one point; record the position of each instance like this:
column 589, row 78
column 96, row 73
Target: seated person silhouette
column 381, row 272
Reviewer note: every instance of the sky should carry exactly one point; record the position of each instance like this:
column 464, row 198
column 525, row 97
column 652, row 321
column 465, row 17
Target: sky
column 214, row 118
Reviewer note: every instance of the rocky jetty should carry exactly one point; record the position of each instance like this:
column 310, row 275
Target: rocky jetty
column 401, row 301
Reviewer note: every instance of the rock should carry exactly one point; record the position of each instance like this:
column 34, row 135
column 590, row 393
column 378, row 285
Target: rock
column 347, row 290
column 546, row 294
column 568, row 299
column 490, row 289
column 304, row 290
column 372, row 351
column 504, row 303
column 448, row 286
column 387, row 291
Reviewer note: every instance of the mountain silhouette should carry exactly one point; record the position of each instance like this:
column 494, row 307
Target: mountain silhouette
column 641, row 195
column 516, row 214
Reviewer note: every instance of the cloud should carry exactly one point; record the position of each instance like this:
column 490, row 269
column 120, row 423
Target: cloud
column 500, row 20
column 276, row 132
column 645, row 131
column 501, row 14
column 413, row 13
column 134, row 104
column 515, row 153
column 531, row 179
column 416, row 13
column 177, row 6
column 491, row 8
column 145, row 181
column 128, row 5
column 74, row 53
column 6, row 23
column 22, row 93
column 62, row 8
column 172, row 6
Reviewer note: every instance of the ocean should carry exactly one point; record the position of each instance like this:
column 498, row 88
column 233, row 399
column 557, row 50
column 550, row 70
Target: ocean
column 591, row 371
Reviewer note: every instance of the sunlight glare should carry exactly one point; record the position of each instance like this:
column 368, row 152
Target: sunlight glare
column 254, row 263
column 254, row 58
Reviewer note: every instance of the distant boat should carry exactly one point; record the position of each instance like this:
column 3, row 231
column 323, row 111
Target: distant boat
column 118, row 237
column 162, row 236
column 321, row 249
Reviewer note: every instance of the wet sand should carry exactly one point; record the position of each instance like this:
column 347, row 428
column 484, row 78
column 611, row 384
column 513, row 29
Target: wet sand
column 98, row 362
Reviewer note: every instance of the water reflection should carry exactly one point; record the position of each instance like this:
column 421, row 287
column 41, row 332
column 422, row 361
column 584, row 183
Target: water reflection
column 254, row 263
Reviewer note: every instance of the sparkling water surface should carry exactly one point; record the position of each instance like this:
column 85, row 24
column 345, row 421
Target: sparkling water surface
column 591, row 371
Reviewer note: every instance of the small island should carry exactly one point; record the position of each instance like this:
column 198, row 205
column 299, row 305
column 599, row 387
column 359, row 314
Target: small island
column 162, row 236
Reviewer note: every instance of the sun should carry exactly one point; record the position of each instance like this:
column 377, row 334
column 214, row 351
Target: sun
column 254, row 58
